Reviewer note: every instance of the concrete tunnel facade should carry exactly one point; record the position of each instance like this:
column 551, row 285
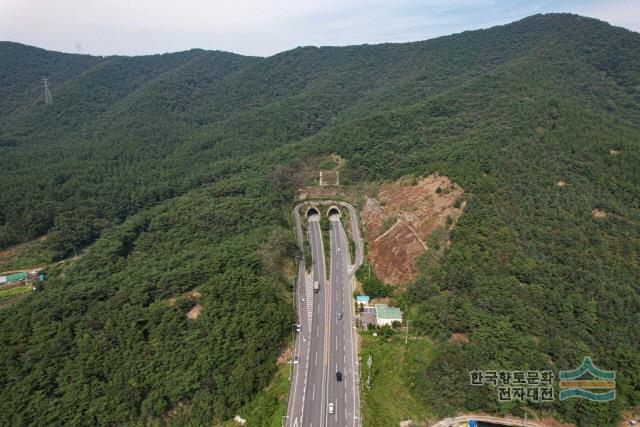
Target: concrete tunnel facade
column 312, row 211
column 333, row 210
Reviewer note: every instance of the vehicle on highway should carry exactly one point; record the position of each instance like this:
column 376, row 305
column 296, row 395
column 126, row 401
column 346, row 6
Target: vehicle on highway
column 297, row 327
column 339, row 316
column 339, row 376
column 331, row 408
column 295, row 360
column 316, row 287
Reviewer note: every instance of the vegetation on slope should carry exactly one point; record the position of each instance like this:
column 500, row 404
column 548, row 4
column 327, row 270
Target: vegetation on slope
column 182, row 166
column 102, row 346
column 393, row 365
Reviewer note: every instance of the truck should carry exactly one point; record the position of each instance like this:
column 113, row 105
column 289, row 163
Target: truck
column 316, row 287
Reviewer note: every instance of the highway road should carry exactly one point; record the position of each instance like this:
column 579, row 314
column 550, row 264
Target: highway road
column 325, row 344
column 342, row 352
column 314, row 411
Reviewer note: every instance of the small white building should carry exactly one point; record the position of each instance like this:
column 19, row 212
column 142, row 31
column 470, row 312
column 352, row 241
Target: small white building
column 386, row 315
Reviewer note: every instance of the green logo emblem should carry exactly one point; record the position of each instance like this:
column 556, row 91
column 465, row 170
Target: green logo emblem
column 572, row 386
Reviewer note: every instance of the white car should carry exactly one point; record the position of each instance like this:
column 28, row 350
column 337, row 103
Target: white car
column 331, row 408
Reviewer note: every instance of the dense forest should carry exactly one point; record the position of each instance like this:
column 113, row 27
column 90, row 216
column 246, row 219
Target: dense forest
column 176, row 172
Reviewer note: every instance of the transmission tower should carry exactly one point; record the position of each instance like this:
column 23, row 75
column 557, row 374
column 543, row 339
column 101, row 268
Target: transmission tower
column 48, row 99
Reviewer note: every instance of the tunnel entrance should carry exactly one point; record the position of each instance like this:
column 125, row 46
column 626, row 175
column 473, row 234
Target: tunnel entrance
column 333, row 211
column 312, row 211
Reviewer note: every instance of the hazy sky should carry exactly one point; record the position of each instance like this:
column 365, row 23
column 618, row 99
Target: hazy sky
column 251, row 27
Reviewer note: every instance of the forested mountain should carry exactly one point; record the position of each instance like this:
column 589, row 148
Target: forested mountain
column 177, row 171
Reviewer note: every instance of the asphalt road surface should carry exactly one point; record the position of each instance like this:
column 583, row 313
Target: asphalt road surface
column 342, row 353
column 325, row 344
column 315, row 410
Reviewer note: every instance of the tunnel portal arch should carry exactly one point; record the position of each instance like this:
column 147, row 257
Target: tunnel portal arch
column 312, row 211
column 333, row 210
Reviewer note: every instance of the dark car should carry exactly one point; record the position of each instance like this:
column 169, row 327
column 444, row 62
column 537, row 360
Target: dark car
column 339, row 376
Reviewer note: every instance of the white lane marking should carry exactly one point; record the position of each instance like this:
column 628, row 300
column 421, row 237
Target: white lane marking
column 349, row 286
column 326, row 341
column 303, row 276
column 315, row 362
column 304, row 388
column 313, row 396
column 296, row 369
column 309, row 300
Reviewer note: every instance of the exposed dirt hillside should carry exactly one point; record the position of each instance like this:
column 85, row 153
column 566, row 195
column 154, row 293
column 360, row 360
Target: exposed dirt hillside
column 399, row 220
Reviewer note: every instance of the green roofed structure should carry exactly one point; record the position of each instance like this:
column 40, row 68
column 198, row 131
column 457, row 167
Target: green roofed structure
column 13, row 277
column 386, row 315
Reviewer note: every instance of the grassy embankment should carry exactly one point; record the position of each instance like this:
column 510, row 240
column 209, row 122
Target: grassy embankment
column 25, row 255
column 14, row 291
column 390, row 399
column 268, row 407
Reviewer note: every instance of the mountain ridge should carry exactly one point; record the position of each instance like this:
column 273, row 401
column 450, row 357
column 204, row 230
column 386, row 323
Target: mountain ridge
column 174, row 172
